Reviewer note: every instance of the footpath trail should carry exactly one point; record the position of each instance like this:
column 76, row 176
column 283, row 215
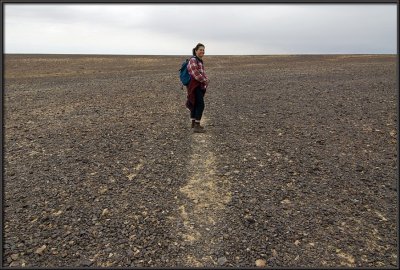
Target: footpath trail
column 209, row 193
column 297, row 167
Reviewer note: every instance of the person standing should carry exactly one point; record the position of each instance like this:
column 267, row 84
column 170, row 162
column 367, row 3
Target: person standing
column 197, row 87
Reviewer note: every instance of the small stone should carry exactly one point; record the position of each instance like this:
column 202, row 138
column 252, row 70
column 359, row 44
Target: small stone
column 40, row 250
column 57, row 213
column 105, row 212
column 381, row 216
column 103, row 190
column 14, row 264
column 274, row 253
column 222, row 260
column 250, row 219
column 285, row 201
column 86, row 263
column 261, row 263
column 297, row 242
column 14, row 257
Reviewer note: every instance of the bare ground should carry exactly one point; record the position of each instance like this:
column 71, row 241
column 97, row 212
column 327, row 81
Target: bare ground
column 297, row 168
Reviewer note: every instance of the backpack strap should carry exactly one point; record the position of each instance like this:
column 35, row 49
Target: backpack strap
column 195, row 58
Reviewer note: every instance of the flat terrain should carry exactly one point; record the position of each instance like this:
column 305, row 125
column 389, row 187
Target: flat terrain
column 297, row 167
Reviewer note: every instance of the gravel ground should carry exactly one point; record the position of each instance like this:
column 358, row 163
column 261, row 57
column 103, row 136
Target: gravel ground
column 297, row 167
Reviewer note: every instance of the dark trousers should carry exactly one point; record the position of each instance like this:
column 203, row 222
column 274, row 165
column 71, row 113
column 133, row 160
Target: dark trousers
column 197, row 112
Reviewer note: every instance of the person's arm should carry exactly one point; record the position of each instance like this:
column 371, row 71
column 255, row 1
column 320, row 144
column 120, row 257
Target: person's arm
column 193, row 69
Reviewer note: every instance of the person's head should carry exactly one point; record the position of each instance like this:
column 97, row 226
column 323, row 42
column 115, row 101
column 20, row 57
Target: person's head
column 198, row 50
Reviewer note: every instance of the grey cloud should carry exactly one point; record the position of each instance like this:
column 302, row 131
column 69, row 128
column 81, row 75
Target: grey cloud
column 339, row 22
column 304, row 28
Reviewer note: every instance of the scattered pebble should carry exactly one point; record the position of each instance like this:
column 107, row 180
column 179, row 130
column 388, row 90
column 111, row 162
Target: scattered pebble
column 222, row 260
column 40, row 250
column 261, row 263
column 105, row 212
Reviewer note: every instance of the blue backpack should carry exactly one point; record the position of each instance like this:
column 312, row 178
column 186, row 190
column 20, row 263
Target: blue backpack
column 184, row 75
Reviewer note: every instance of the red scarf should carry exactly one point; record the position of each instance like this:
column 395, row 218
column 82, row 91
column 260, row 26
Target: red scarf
column 191, row 93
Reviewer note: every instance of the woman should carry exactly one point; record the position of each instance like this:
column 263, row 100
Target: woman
column 197, row 87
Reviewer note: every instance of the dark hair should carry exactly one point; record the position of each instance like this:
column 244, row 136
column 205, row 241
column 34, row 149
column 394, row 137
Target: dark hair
column 197, row 47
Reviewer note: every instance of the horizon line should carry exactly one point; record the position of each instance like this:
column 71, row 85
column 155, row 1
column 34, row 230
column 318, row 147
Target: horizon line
column 283, row 54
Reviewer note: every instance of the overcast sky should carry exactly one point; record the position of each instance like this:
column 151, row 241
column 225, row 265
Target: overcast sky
column 168, row 29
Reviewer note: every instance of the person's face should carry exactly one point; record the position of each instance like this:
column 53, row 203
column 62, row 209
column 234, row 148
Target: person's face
column 200, row 52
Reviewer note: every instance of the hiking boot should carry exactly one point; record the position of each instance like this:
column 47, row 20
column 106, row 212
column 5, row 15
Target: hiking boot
column 198, row 128
column 193, row 123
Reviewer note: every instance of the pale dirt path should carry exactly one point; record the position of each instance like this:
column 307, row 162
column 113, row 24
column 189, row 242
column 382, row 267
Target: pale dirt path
column 209, row 194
